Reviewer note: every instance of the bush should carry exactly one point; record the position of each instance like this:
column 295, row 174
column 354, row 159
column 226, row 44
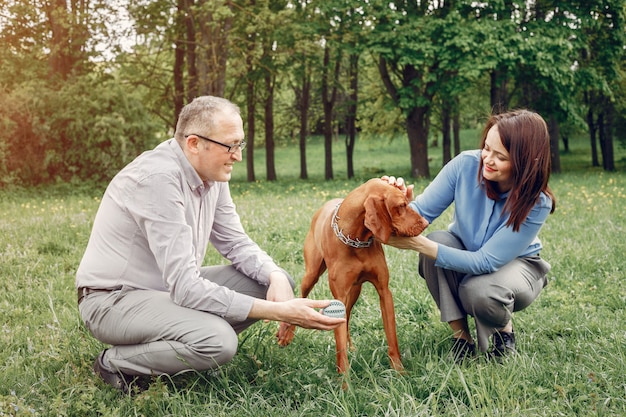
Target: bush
column 86, row 129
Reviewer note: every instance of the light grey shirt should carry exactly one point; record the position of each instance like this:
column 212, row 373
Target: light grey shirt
column 152, row 230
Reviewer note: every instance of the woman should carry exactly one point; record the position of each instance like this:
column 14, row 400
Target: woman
column 487, row 264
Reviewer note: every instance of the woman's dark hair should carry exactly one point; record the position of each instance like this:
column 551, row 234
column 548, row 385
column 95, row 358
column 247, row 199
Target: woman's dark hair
column 525, row 136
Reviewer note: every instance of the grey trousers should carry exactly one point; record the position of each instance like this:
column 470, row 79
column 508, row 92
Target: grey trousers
column 151, row 335
column 491, row 298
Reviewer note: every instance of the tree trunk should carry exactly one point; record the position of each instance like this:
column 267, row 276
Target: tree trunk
column 179, row 60
column 456, row 127
column 329, row 94
column 303, row 106
column 609, row 158
column 446, row 110
column 270, row 164
column 68, row 37
column 418, row 125
column 565, row 139
column 250, row 107
column 417, row 119
column 250, row 126
column 192, row 71
column 213, row 52
column 592, row 137
column 606, row 139
column 353, row 74
column 498, row 91
column 555, row 157
column 328, row 142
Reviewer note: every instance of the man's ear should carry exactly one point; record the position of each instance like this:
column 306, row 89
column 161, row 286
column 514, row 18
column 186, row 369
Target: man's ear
column 191, row 144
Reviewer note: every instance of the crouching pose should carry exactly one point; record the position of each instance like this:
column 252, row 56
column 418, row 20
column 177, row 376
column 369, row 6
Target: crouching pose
column 487, row 264
column 141, row 284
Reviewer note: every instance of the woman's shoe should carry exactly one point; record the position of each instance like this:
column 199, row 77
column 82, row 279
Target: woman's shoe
column 503, row 344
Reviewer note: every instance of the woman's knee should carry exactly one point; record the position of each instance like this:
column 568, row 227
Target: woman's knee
column 471, row 294
column 485, row 301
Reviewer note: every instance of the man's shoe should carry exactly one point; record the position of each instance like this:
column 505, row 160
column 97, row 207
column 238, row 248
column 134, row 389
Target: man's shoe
column 117, row 380
column 462, row 350
column 503, row 344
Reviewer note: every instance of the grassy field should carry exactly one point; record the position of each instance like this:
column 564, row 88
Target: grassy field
column 571, row 341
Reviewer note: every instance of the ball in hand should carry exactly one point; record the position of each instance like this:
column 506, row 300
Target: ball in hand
column 335, row 309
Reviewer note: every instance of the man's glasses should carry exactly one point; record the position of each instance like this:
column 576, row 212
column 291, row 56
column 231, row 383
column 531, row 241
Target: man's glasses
column 231, row 148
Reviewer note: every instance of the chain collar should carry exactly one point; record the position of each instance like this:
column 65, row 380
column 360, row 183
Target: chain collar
column 347, row 240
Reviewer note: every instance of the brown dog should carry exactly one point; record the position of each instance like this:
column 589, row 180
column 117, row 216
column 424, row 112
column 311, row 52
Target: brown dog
column 345, row 238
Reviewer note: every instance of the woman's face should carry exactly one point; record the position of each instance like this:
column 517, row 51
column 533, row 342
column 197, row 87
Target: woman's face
column 497, row 165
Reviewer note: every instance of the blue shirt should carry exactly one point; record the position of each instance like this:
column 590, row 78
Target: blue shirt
column 479, row 222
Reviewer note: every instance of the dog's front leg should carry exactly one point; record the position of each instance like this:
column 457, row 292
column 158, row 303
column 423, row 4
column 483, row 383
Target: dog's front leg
column 389, row 323
column 341, row 346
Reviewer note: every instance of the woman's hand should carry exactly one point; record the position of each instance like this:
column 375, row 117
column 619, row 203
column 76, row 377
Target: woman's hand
column 402, row 242
column 419, row 244
column 400, row 184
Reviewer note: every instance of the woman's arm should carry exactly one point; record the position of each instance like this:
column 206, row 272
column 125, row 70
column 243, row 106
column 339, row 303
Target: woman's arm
column 419, row 244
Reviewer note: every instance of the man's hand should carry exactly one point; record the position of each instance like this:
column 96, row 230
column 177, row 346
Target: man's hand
column 304, row 312
column 301, row 312
column 400, row 184
column 279, row 288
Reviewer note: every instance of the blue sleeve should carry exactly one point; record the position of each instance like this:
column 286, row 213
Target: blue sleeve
column 439, row 194
column 500, row 249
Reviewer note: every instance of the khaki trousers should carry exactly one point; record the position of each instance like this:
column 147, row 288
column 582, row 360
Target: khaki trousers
column 491, row 298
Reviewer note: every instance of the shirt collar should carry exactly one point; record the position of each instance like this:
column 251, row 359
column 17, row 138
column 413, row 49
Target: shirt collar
column 194, row 181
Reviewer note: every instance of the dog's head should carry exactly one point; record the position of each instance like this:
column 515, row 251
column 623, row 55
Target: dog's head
column 387, row 212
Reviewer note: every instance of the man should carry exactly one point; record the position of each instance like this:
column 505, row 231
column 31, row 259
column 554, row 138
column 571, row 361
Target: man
column 141, row 284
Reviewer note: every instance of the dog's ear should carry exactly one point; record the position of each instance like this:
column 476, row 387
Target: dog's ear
column 377, row 218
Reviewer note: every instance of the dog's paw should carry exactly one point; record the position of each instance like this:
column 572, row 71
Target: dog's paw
column 285, row 334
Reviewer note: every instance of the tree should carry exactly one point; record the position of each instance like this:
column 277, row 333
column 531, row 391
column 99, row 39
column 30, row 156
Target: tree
column 353, row 99
column 353, row 40
column 251, row 100
column 64, row 117
column 213, row 20
column 330, row 76
column 303, row 60
column 271, row 65
column 329, row 24
column 69, row 33
column 601, row 52
column 531, row 58
column 418, row 45
column 180, row 49
column 248, row 29
column 152, row 66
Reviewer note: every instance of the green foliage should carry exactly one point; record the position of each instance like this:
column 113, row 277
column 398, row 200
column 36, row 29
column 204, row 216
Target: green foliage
column 61, row 119
column 571, row 341
column 85, row 130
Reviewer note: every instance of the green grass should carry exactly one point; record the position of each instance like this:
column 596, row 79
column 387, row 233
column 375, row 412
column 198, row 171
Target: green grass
column 571, row 341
